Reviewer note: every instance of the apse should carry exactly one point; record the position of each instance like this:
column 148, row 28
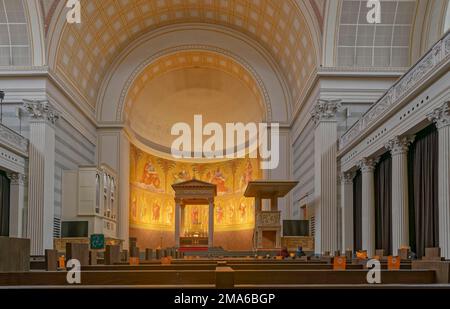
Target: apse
column 177, row 87
column 171, row 90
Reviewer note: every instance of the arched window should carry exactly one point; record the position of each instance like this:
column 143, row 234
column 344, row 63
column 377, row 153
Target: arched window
column 14, row 38
column 362, row 44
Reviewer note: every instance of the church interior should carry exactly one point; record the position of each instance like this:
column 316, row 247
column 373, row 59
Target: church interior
column 354, row 95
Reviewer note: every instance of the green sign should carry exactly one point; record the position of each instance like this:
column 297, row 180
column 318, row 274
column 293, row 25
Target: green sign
column 97, row 241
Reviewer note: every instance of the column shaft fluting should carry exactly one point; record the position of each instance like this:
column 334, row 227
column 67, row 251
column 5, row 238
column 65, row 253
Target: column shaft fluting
column 441, row 116
column 368, row 205
column 400, row 207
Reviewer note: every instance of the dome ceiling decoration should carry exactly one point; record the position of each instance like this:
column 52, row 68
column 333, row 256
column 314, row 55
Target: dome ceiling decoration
column 207, row 83
column 87, row 50
column 193, row 59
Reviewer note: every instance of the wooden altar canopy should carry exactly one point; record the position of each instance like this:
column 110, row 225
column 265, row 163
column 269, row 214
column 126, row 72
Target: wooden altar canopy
column 267, row 234
column 194, row 192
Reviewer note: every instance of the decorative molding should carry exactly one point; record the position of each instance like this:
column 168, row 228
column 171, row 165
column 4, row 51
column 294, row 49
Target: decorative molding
column 367, row 165
column 17, row 178
column 346, row 178
column 399, row 144
column 13, row 140
column 441, row 115
column 41, row 110
column 393, row 97
column 325, row 110
column 268, row 219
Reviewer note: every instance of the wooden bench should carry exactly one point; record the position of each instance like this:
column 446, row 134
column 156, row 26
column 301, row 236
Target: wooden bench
column 300, row 277
column 207, row 278
column 113, row 278
column 212, row 266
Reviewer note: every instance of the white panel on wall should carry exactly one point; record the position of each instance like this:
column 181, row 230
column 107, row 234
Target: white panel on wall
column 72, row 149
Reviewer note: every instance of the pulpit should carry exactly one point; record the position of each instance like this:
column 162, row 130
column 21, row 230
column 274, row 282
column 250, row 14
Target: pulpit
column 267, row 234
column 196, row 193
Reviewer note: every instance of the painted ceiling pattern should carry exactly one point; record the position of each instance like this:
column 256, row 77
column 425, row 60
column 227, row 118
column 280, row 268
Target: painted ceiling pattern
column 87, row 50
column 190, row 59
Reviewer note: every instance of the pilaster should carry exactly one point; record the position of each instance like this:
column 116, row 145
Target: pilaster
column 43, row 118
column 325, row 175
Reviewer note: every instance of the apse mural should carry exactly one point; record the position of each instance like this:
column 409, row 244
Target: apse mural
column 152, row 197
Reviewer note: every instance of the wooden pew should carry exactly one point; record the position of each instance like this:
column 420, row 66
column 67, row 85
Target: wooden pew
column 328, row 277
column 14, row 254
column 207, row 278
column 113, row 278
column 213, row 266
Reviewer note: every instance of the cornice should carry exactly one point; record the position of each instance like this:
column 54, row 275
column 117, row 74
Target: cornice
column 395, row 97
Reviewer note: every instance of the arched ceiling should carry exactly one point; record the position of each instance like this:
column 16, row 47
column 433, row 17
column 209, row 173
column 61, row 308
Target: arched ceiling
column 176, row 87
column 197, row 59
column 86, row 51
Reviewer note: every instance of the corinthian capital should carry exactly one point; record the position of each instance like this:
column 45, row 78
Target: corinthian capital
column 41, row 110
column 325, row 109
column 367, row 164
column 347, row 177
column 441, row 115
column 17, row 179
column 399, row 144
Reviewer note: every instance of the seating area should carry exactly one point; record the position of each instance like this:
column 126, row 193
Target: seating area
column 170, row 267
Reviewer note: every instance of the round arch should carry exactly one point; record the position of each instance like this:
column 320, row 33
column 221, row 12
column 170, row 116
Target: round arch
column 288, row 31
column 170, row 39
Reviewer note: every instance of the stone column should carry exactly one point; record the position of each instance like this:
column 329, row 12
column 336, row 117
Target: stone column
column 347, row 210
column 177, row 222
column 441, row 116
column 398, row 147
column 17, row 202
column 325, row 175
column 211, row 224
column 367, row 166
column 182, row 219
column 41, row 197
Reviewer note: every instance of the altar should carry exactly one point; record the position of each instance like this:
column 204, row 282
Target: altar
column 194, row 213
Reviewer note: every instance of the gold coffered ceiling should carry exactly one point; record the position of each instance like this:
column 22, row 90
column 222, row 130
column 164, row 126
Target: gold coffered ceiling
column 87, row 50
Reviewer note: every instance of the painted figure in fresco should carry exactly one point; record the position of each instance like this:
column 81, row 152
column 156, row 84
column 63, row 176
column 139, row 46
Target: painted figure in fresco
column 151, row 177
column 231, row 214
column 219, row 180
column 243, row 212
column 182, row 176
column 219, row 210
column 134, row 209
column 195, row 216
column 169, row 214
column 156, row 211
column 143, row 213
column 247, row 176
